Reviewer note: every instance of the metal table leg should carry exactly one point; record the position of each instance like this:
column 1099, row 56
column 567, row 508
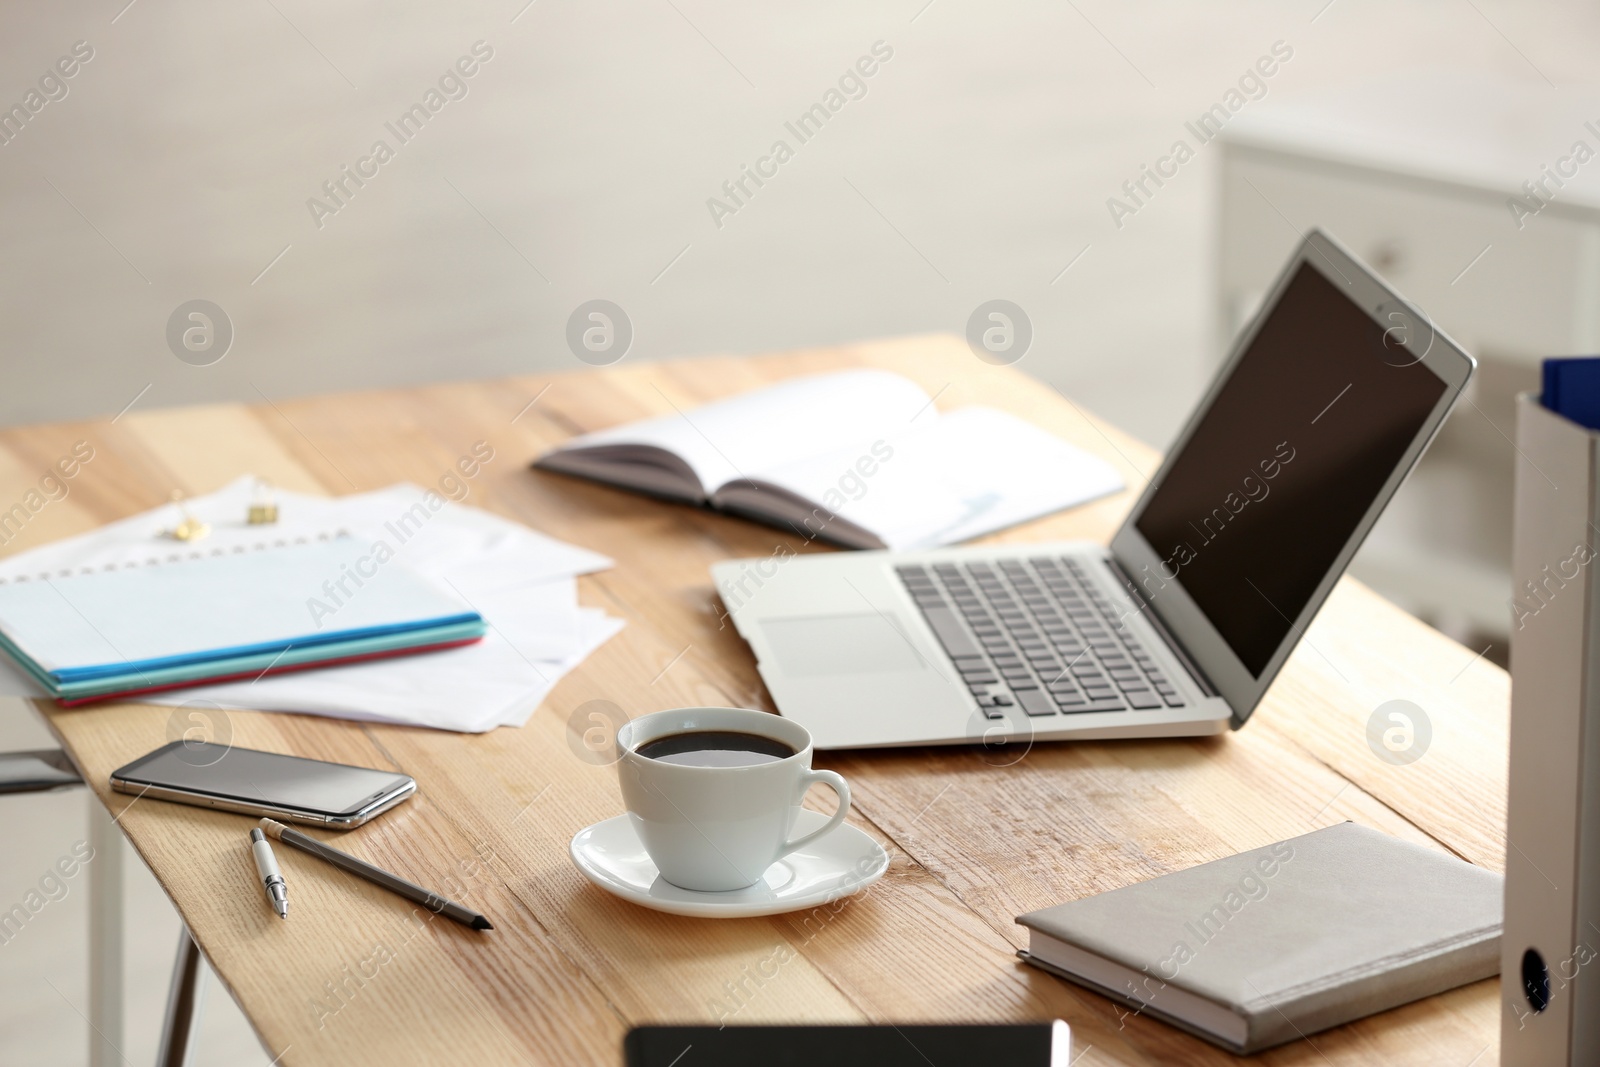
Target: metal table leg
column 105, row 939
column 184, row 1001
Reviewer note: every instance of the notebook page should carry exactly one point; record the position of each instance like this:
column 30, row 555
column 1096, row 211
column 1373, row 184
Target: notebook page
column 973, row 471
column 747, row 434
column 424, row 538
column 275, row 596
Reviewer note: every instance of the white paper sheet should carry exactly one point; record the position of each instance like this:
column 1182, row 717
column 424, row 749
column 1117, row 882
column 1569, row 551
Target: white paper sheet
column 469, row 689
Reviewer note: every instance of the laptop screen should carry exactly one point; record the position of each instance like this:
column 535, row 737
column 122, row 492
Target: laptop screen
column 1282, row 468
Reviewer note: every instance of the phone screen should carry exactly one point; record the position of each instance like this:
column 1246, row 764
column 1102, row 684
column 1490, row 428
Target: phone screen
column 1020, row 1045
column 265, row 778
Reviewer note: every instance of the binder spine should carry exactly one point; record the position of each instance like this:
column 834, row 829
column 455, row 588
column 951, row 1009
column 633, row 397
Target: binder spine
column 1550, row 951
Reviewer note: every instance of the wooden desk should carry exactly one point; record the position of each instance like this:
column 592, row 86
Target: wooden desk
column 352, row 980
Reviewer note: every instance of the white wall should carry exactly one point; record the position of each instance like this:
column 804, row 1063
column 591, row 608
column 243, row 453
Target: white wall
column 579, row 164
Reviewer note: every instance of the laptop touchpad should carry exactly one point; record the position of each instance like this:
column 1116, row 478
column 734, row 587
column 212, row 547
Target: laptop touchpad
column 841, row 644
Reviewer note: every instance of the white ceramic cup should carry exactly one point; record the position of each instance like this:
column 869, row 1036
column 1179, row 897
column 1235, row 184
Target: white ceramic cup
column 714, row 829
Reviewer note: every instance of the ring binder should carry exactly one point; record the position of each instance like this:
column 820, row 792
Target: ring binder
column 1550, row 984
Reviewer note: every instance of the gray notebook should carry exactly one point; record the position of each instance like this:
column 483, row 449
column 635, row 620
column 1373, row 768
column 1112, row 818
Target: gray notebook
column 1273, row 944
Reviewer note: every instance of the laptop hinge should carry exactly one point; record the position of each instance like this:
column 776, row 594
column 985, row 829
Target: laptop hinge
column 1161, row 628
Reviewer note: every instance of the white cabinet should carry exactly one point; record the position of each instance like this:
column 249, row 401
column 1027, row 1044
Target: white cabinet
column 1531, row 292
column 1416, row 175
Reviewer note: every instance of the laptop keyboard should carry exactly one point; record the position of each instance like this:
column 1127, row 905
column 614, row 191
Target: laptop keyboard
column 1036, row 634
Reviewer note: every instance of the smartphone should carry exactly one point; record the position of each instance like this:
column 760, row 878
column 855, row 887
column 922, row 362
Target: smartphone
column 286, row 788
column 1015, row 1045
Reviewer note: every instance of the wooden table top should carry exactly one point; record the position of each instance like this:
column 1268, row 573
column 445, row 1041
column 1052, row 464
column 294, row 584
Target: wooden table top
column 975, row 839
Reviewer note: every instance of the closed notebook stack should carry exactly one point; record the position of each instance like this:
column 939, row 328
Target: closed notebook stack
column 1280, row 942
column 143, row 629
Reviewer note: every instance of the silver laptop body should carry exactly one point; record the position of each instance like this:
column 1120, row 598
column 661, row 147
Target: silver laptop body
column 1327, row 401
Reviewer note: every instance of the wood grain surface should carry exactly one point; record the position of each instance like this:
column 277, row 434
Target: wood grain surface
column 358, row 977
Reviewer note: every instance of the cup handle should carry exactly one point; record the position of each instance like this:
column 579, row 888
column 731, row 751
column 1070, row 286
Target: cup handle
column 839, row 786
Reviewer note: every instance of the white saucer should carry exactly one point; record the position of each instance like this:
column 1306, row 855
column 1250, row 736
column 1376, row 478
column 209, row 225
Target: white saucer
column 844, row 862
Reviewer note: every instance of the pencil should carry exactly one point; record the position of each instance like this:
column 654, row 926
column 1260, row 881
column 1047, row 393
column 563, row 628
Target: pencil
column 377, row 875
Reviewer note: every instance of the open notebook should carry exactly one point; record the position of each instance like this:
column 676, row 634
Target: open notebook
column 140, row 629
column 860, row 457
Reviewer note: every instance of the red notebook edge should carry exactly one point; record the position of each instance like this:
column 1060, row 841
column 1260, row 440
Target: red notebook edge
column 128, row 694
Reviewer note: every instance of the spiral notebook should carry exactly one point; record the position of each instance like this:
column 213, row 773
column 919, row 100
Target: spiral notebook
column 245, row 614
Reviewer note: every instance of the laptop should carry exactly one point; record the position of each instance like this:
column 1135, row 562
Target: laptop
column 1177, row 628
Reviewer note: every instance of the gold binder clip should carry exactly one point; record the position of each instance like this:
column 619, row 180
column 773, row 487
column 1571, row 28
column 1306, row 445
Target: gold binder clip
column 263, row 508
column 191, row 528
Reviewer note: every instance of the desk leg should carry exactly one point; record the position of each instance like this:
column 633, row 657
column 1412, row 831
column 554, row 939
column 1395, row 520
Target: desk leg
column 105, row 938
column 184, row 1001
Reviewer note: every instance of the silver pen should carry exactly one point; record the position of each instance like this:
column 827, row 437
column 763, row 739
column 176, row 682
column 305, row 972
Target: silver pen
column 267, row 868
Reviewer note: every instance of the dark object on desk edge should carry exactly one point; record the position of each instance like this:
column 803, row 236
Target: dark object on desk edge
column 36, row 771
column 1041, row 1044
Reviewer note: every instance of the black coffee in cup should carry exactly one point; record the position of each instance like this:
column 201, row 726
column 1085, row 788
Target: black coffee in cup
column 716, row 748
